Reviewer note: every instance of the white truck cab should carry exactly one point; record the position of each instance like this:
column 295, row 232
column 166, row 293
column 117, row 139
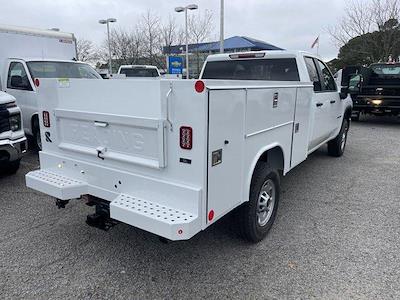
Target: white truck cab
column 139, row 71
column 12, row 139
column 174, row 156
column 27, row 54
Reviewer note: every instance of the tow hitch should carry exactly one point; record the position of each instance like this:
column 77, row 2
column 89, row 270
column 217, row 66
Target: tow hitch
column 101, row 218
column 61, row 203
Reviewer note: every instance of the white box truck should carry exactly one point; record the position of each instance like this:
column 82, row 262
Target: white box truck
column 27, row 54
column 173, row 156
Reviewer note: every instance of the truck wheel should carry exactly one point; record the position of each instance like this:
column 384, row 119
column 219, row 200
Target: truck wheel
column 12, row 167
column 257, row 216
column 37, row 140
column 336, row 147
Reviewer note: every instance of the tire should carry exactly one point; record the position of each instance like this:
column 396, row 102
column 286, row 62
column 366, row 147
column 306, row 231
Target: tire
column 37, row 141
column 11, row 168
column 337, row 146
column 255, row 219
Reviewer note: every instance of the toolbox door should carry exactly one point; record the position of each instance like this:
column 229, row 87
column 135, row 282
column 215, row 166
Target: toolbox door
column 225, row 151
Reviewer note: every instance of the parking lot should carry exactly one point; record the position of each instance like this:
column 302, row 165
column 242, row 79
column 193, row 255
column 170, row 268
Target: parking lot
column 336, row 236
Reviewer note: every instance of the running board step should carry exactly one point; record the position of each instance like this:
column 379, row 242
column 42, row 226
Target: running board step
column 168, row 222
column 56, row 185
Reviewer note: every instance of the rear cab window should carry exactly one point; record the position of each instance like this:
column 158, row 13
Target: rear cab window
column 271, row 69
column 139, row 72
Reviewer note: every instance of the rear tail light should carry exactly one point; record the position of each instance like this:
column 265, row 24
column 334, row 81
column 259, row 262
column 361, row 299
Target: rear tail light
column 186, row 137
column 46, row 119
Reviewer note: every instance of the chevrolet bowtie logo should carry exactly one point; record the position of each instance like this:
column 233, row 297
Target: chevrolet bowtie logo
column 176, row 64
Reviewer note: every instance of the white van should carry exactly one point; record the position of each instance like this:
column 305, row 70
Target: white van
column 27, row 54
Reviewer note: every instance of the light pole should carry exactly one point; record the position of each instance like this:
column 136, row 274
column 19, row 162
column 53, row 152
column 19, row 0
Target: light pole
column 185, row 9
column 108, row 21
column 221, row 43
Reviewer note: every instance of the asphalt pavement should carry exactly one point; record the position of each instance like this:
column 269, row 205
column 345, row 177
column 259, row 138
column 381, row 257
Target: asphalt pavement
column 337, row 236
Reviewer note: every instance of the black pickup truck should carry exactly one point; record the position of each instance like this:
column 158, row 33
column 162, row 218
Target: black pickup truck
column 375, row 90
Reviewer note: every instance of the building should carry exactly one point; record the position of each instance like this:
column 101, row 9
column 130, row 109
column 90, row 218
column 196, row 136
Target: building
column 199, row 52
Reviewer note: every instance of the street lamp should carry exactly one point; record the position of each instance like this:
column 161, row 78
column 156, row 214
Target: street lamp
column 221, row 43
column 185, row 9
column 108, row 21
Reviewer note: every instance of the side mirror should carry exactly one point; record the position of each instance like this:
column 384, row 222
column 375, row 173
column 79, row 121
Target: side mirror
column 317, row 86
column 16, row 81
column 344, row 92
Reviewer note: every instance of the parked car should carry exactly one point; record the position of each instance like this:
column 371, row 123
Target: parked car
column 12, row 139
column 139, row 71
column 174, row 156
column 27, row 54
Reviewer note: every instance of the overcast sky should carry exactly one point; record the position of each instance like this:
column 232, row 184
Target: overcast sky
column 290, row 24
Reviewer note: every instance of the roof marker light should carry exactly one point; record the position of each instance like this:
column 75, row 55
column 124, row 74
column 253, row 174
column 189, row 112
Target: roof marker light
column 247, row 55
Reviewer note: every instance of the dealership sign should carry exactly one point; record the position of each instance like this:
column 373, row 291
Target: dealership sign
column 175, row 65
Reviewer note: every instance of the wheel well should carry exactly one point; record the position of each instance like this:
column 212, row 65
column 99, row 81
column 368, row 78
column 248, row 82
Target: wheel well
column 274, row 157
column 34, row 117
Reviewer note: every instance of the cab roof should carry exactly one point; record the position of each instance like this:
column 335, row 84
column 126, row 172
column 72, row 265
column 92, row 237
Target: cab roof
column 259, row 55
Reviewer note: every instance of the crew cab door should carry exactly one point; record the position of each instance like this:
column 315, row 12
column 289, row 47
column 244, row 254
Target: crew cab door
column 19, row 84
column 321, row 125
column 329, row 89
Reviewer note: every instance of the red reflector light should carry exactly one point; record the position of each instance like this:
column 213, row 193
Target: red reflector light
column 37, row 82
column 46, row 119
column 186, row 137
column 199, row 86
column 211, row 215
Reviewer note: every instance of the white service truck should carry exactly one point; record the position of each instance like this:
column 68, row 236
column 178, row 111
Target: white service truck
column 173, row 156
column 27, row 54
column 12, row 138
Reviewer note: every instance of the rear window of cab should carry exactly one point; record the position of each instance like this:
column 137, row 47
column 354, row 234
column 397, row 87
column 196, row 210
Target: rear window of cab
column 274, row 69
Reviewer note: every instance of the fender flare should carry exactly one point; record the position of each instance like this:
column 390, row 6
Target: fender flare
column 254, row 162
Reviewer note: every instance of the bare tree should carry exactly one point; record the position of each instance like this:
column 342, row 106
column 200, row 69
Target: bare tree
column 151, row 30
column 126, row 46
column 362, row 17
column 86, row 50
column 169, row 34
column 200, row 28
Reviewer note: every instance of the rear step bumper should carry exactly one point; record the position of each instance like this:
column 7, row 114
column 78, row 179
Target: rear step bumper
column 163, row 220
column 168, row 222
column 61, row 187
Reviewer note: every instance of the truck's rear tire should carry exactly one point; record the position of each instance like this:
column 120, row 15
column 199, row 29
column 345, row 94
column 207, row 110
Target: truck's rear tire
column 10, row 168
column 257, row 216
column 337, row 146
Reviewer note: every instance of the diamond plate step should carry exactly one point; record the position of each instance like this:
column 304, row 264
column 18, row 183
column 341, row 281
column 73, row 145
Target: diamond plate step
column 56, row 185
column 165, row 221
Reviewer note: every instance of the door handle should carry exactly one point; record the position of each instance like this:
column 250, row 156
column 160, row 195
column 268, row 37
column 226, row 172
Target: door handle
column 100, row 124
column 333, row 101
column 319, row 104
